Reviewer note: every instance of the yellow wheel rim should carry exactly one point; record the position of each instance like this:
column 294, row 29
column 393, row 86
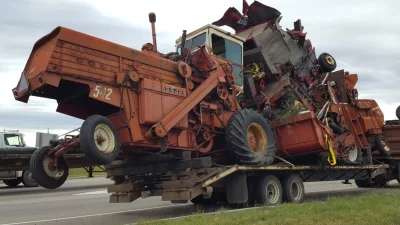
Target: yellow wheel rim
column 256, row 138
column 329, row 59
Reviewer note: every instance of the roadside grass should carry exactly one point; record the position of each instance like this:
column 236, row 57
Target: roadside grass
column 380, row 207
column 81, row 172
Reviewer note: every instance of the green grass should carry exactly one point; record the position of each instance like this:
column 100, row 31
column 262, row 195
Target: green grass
column 371, row 209
column 81, row 172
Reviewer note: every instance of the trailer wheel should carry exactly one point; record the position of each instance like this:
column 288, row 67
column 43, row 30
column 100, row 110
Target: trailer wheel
column 363, row 183
column 99, row 140
column 250, row 139
column 398, row 112
column 382, row 146
column 12, row 183
column 327, row 62
column 293, row 189
column 213, row 200
column 28, row 180
column 268, row 190
column 42, row 171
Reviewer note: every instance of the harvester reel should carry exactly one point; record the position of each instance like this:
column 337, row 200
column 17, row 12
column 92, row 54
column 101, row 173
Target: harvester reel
column 99, row 140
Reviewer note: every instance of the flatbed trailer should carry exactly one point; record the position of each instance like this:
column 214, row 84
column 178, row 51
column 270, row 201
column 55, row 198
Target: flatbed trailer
column 202, row 182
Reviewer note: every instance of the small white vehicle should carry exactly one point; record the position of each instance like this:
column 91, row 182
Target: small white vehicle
column 14, row 160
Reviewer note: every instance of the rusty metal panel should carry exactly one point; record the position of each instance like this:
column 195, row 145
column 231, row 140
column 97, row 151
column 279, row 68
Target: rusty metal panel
column 277, row 48
column 392, row 137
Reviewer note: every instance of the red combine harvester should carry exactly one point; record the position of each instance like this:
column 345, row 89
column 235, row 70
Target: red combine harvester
column 183, row 124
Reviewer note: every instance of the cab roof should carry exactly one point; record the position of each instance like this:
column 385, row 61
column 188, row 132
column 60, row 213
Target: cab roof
column 195, row 32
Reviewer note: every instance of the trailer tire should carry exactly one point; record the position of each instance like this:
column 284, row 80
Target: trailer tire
column 104, row 148
column 268, row 190
column 12, row 183
column 382, row 146
column 28, row 180
column 250, row 139
column 44, row 176
column 293, row 189
column 366, row 183
column 213, row 200
column 327, row 62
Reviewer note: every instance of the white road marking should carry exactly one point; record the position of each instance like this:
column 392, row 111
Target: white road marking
column 93, row 192
column 93, row 215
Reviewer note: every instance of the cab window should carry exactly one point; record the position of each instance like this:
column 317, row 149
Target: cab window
column 231, row 51
column 13, row 140
column 193, row 43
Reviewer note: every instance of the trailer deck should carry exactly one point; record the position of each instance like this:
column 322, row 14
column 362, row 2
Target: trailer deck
column 191, row 178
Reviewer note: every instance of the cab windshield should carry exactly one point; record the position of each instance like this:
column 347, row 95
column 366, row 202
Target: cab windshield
column 193, row 43
column 13, row 140
column 231, row 51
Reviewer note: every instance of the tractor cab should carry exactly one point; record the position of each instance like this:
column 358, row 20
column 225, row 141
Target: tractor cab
column 222, row 43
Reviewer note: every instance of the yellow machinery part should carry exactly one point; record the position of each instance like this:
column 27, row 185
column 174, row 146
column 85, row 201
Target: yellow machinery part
column 332, row 157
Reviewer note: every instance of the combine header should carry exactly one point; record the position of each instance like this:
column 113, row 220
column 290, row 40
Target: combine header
column 176, row 123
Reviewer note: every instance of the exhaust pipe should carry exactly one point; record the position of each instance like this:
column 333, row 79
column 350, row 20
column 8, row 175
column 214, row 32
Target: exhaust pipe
column 152, row 18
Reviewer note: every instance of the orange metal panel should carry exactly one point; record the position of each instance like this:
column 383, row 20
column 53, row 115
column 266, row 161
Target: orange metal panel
column 169, row 103
column 183, row 139
column 303, row 134
column 72, row 53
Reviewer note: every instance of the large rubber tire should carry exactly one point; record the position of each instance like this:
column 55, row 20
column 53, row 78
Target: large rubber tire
column 37, row 167
column 382, row 148
column 213, row 200
column 12, row 183
column 398, row 112
column 363, row 183
column 28, row 180
column 268, row 190
column 92, row 147
column 237, row 139
column 293, row 189
column 327, row 62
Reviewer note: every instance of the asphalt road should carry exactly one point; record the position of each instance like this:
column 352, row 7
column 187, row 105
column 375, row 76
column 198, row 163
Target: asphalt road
column 85, row 201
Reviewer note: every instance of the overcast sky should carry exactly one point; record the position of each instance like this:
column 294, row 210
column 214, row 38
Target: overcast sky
column 361, row 35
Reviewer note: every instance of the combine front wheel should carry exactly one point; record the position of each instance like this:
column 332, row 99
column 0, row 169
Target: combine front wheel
column 44, row 171
column 250, row 139
column 99, row 140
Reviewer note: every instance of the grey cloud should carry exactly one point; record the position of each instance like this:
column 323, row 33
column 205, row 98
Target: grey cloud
column 36, row 120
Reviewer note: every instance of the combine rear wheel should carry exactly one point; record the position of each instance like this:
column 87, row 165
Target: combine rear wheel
column 250, row 139
column 99, row 140
column 293, row 189
column 43, row 170
column 327, row 62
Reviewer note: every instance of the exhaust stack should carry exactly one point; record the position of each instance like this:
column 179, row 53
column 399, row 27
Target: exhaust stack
column 152, row 18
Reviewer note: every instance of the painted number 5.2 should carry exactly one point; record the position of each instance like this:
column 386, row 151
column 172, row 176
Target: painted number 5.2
column 102, row 92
